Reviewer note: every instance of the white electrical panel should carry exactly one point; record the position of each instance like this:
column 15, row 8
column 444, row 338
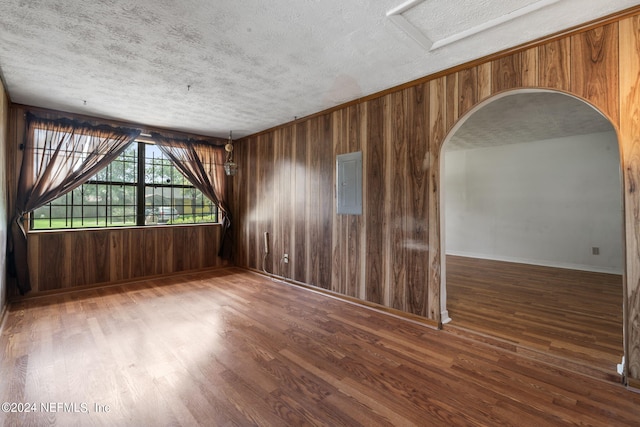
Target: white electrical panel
column 349, row 183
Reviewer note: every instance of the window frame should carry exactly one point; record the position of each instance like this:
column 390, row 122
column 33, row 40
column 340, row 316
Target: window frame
column 141, row 186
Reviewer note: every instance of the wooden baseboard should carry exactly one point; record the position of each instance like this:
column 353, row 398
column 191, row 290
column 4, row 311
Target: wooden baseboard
column 634, row 384
column 356, row 301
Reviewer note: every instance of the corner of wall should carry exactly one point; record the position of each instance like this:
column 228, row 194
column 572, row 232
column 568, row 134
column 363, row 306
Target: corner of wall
column 4, row 132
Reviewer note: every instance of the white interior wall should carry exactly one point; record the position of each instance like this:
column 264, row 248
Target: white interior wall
column 546, row 202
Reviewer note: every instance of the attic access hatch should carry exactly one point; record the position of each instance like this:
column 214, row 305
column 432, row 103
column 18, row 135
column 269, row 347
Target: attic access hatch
column 349, row 183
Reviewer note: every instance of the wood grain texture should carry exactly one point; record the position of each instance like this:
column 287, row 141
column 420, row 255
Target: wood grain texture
column 326, row 179
column 397, row 152
column 417, row 187
column 591, row 65
column 340, row 238
column 594, row 68
column 254, row 255
column 284, row 227
column 630, row 148
column 451, row 105
column 375, row 196
column 582, row 311
column 507, row 73
column 53, row 270
column 354, row 222
column 65, row 259
column 227, row 347
column 530, row 67
column 300, row 200
column 266, row 200
column 313, row 212
column 468, row 89
column 484, row 81
column 322, row 197
column 554, row 60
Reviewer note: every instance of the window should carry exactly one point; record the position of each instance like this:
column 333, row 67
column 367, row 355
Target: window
column 169, row 196
column 140, row 187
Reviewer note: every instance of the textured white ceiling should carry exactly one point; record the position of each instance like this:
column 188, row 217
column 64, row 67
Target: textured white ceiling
column 527, row 117
column 212, row 66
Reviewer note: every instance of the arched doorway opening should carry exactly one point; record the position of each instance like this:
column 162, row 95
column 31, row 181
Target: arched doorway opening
column 532, row 228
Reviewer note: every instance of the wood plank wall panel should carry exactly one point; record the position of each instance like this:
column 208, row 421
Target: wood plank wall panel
column 67, row 259
column 284, row 151
column 340, row 238
column 313, row 212
column 165, row 250
column 594, row 68
column 267, row 197
column 451, row 103
column 210, row 238
column 417, row 199
column 244, row 248
column 53, row 272
column 530, row 68
column 484, row 81
column 280, row 234
column 468, row 89
column 630, row 145
column 507, row 73
column 354, row 222
column 326, row 192
column 374, row 202
column 137, row 255
column 355, row 225
column 151, row 251
column 239, row 202
column 182, row 257
column 554, row 69
column 91, row 257
column 254, row 256
column 300, row 196
column 398, row 127
column 398, row 225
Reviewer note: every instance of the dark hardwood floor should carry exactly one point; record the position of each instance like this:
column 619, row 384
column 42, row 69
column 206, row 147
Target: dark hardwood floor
column 575, row 317
column 232, row 348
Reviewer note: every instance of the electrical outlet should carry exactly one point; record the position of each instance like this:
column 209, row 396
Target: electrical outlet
column 595, row 250
column 285, row 258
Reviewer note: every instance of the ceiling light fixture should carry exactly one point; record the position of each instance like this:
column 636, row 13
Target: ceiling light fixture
column 230, row 167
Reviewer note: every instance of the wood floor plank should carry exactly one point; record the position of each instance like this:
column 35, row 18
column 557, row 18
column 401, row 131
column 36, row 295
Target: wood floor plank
column 571, row 314
column 231, row 347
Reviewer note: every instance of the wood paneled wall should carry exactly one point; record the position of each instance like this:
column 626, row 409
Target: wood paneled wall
column 4, row 205
column 66, row 259
column 391, row 253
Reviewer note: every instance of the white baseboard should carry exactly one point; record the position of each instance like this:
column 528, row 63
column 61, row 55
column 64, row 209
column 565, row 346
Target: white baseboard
column 445, row 317
column 544, row 263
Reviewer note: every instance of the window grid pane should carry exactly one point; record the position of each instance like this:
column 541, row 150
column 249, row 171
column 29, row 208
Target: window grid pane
column 108, row 199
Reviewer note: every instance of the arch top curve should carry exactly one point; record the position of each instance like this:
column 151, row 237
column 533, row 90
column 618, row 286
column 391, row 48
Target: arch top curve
column 541, row 112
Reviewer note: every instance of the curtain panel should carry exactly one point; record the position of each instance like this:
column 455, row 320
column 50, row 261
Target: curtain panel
column 202, row 163
column 59, row 155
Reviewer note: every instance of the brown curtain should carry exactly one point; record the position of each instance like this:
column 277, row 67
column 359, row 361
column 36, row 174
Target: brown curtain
column 59, row 155
column 202, row 163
